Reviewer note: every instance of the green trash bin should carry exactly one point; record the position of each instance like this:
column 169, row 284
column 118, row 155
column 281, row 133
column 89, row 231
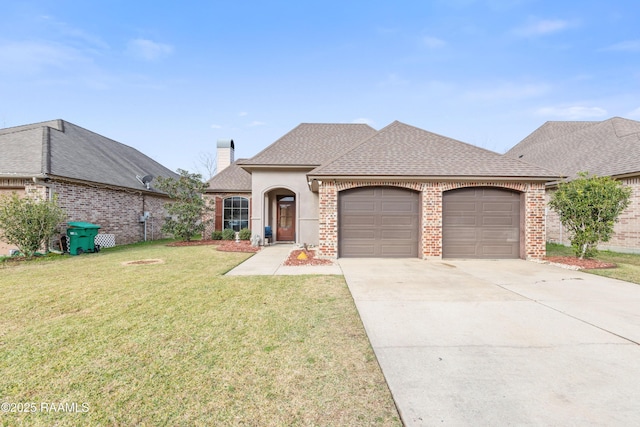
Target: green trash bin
column 81, row 237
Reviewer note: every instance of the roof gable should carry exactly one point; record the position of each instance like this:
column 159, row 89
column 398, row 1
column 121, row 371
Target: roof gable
column 403, row 150
column 59, row 148
column 232, row 178
column 609, row 147
column 311, row 144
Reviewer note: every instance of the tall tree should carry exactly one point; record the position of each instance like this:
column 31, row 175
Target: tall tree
column 188, row 206
column 589, row 207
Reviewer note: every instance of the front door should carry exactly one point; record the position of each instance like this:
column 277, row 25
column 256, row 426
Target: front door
column 286, row 231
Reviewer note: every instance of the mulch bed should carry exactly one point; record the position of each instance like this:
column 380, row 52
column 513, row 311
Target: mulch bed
column 293, row 260
column 586, row 264
column 222, row 245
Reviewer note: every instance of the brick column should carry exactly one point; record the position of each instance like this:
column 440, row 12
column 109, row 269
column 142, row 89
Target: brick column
column 328, row 220
column 431, row 220
column 535, row 233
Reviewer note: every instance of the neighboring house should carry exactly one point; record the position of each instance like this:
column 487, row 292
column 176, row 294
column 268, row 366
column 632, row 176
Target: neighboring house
column 94, row 178
column 603, row 148
column 229, row 192
column 398, row 192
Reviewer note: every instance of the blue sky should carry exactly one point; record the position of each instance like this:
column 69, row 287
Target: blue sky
column 170, row 78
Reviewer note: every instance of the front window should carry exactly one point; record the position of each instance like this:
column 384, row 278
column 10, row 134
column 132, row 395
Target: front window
column 236, row 213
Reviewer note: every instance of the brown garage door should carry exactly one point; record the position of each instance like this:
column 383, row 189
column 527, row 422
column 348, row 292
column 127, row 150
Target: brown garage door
column 481, row 223
column 378, row 222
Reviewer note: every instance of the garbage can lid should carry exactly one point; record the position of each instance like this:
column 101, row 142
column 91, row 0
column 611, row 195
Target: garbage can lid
column 80, row 224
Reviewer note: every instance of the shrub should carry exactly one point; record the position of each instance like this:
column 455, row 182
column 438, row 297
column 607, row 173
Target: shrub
column 28, row 223
column 228, row 234
column 245, row 234
column 216, row 235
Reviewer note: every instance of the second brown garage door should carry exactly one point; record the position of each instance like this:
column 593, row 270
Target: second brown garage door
column 481, row 223
column 378, row 222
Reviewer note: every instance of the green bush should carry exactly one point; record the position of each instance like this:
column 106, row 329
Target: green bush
column 245, row 234
column 216, row 235
column 228, row 234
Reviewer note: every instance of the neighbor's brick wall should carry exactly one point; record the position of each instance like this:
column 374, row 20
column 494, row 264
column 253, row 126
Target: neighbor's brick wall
column 116, row 211
column 626, row 237
column 431, row 227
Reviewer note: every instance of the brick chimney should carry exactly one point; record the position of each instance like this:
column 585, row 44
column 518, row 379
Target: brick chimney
column 225, row 154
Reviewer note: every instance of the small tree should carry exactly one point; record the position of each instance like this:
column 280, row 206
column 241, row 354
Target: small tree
column 589, row 208
column 188, row 206
column 28, row 223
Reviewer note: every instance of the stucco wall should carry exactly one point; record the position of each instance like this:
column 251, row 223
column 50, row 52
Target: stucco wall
column 266, row 184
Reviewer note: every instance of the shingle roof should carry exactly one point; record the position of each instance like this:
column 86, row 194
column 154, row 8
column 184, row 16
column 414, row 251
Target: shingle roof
column 403, row 150
column 62, row 149
column 607, row 148
column 311, row 144
column 231, row 178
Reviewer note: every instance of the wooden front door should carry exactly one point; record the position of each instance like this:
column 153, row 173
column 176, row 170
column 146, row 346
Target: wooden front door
column 286, row 231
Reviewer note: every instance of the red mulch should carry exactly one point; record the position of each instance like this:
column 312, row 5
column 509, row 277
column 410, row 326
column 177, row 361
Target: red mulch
column 222, row 245
column 582, row 263
column 311, row 259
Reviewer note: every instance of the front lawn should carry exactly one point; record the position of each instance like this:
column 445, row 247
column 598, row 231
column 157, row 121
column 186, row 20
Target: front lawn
column 177, row 343
column 628, row 264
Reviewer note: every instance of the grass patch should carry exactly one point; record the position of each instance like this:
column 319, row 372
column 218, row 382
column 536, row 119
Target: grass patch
column 177, row 343
column 628, row 264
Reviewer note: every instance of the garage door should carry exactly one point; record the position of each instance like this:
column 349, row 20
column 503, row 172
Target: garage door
column 481, row 223
column 378, row 222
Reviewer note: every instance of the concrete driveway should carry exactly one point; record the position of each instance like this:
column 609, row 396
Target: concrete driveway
column 504, row 342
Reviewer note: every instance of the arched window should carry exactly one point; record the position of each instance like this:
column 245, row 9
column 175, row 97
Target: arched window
column 235, row 214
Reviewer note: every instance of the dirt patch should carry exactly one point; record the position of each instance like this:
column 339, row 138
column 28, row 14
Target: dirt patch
column 586, row 264
column 222, row 245
column 144, row 262
column 310, row 258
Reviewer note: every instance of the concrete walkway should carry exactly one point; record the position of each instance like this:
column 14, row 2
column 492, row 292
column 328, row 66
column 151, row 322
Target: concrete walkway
column 269, row 262
column 504, row 342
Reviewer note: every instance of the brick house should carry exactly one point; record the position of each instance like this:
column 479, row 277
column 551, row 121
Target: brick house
column 94, row 178
column 603, row 148
column 398, row 192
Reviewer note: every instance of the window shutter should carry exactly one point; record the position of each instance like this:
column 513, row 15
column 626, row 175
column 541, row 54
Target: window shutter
column 219, row 210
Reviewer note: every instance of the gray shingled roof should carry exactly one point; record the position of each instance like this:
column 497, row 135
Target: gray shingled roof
column 61, row 149
column 607, row 148
column 231, row 178
column 311, row 144
column 403, row 150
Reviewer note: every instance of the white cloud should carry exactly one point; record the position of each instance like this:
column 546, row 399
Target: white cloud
column 363, row 120
column 393, row 80
column 625, row 46
column 32, row 57
column 572, row 112
column 256, row 123
column 148, row 50
column 635, row 114
column 433, row 42
column 542, row 27
column 242, row 114
column 214, row 126
column 508, row 91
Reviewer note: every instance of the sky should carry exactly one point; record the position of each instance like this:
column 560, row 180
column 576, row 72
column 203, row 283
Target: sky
column 171, row 78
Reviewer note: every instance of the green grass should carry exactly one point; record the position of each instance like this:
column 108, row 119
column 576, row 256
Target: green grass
column 177, row 343
column 628, row 265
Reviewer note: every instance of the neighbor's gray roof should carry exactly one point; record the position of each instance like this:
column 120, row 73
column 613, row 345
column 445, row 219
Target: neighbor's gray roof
column 311, row 144
column 61, row 149
column 231, row 178
column 606, row 148
column 403, row 150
